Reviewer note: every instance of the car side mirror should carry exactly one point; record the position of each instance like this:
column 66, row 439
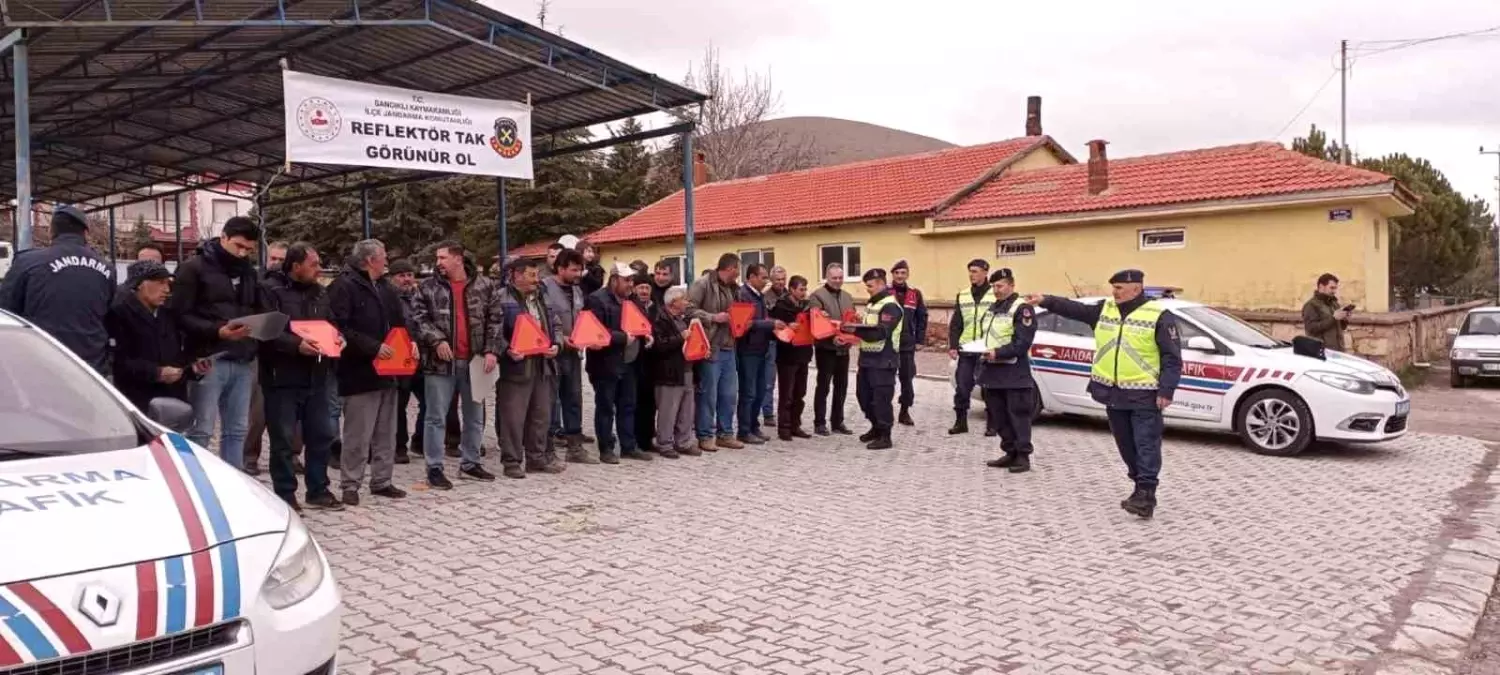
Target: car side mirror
column 1199, row 343
column 171, row 413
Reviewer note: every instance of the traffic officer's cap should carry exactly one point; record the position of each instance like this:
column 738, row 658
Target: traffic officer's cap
column 1002, row 273
column 981, row 263
column 874, row 273
column 1128, row 277
column 900, row 265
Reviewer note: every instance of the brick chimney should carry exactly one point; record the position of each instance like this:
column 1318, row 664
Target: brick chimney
column 700, row 169
column 1098, row 167
column 1033, row 115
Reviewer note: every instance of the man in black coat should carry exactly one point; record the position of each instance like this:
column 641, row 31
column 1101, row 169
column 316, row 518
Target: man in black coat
column 212, row 290
column 791, row 362
column 1005, row 371
column 294, row 381
column 365, row 307
column 149, row 361
column 611, row 370
column 913, row 335
column 65, row 289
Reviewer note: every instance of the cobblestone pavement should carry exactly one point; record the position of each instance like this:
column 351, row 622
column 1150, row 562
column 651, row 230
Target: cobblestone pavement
column 824, row 557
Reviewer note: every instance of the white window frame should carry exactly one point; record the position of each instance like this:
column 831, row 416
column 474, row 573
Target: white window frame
column 843, row 258
column 1000, row 247
column 682, row 270
column 213, row 208
column 1142, row 234
column 760, row 256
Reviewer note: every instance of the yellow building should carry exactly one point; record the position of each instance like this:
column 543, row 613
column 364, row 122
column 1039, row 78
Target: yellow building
column 1246, row 226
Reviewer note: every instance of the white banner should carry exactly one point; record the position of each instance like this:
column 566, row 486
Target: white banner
column 332, row 121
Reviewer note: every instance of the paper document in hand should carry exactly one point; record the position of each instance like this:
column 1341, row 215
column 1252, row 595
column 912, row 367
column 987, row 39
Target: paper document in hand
column 268, row 326
column 320, row 332
column 974, row 347
column 480, row 382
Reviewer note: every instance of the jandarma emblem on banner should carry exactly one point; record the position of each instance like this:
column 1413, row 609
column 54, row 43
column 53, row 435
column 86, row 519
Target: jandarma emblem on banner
column 318, row 119
column 361, row 124
column 506, row 141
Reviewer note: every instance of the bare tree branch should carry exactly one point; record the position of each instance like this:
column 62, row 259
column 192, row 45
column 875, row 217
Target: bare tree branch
column 731, row 135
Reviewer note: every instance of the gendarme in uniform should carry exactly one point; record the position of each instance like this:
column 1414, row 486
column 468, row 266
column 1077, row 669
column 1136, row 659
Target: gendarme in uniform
column 1005, row 371
column 65, row 289
column 963, row 329
column 1137, row 364
column 879, row 359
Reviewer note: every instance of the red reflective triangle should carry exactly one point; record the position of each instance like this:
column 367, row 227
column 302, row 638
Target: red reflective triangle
column 696, row 348
column 633, row 321
column 403, row 361
column 528, row 338
column 589, row 332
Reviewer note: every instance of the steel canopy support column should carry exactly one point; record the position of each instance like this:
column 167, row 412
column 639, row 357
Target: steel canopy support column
column 177, row 217
column 364, row 211
column 690, row 274
column 21, row 103
column 112, row 256
column 500, row 207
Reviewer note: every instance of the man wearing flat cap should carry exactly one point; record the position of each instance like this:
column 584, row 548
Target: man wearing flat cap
column 1005, row 371
column 913, row 333
column 879, row 358
column 65, row 289
column 1137, row 364
column 963, row 329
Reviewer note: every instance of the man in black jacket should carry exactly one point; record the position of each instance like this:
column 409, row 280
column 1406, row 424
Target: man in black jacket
column 879, row 348
column 1005, row 371
column 65, row 289
column 610, row 370
column 294, row 382
column 214, row 288
column 791, row 362
column 403, row 275
column 365, row 307
column 913, row 334
column 148, row 360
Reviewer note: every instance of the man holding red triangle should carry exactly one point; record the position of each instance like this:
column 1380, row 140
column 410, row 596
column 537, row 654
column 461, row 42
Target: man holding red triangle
column 523, row 397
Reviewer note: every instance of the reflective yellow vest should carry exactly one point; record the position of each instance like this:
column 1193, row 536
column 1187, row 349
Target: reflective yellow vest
column 872, row 318
column 1000, row 329
column 972, row 311
column 1134, row 338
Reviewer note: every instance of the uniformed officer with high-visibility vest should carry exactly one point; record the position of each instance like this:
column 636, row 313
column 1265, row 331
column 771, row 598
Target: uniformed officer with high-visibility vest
column 1005, row 371
column 879, row 359
column 963, row 329
column 1137, row 364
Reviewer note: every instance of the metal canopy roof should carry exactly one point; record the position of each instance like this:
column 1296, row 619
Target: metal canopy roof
column 131, row 93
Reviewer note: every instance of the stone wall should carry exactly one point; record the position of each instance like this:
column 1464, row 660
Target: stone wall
column 1395, row 340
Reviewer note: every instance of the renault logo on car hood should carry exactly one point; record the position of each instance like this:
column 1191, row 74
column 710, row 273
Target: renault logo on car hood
column 99, row 604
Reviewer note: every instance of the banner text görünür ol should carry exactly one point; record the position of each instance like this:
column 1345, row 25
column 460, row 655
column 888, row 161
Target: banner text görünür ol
column 332, row 121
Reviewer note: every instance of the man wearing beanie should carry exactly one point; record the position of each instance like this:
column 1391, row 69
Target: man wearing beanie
column 963, row 329
column 879, row 358
column 65, row 289
column 913, row 334
column 1137, row 364
column 1005, row 371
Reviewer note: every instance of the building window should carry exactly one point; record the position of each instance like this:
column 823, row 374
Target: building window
column 763, row 256
column 676, row 263
column 1012, row 248
column 139, row 211
column 224, row 209
column 843, row 254
column 1156, row 239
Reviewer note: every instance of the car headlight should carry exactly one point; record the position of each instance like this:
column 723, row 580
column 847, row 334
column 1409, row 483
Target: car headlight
column 1465, row 354
column 298, row 571
column 1352, row 385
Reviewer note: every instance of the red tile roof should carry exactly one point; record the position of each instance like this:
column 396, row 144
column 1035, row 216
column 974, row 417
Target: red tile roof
column 1229, row 172
column 910, row 184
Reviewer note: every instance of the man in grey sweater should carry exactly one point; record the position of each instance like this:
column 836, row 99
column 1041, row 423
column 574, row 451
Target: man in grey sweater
column 565, row 299
column 832, row 357
column 718, row 380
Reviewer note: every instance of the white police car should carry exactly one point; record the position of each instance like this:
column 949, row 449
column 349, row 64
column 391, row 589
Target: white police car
column 1236, row 379
column 126, row 549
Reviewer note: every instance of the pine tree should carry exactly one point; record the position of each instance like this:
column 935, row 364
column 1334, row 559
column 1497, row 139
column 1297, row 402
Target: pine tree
column 140, row 235
column 626, row 170
column 563, row 199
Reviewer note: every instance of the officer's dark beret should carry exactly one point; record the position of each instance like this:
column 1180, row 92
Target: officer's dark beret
column 1128, row 277
column 72, row 212
column 874, row 273
column 981, row 263
column 900, row 265
column 403, row 267
column 1002, row 273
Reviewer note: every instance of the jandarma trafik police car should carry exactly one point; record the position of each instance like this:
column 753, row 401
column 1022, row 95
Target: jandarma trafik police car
column 1236, row 379
column 126, row 549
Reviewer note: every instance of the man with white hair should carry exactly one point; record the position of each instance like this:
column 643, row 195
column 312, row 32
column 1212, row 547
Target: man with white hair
column 773, row 294
column 365, row 307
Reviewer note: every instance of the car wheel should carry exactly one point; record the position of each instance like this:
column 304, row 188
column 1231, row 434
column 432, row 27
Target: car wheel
column 1456, row 381
column 1275, row 422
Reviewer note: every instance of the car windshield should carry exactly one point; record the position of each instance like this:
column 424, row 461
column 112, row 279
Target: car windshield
column 50, row 405
column 1228, row 327
column 1482, row 323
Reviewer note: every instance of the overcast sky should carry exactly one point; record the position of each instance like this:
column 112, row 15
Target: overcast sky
column 1176, row 75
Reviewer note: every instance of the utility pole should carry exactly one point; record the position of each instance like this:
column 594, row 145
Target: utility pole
column 1495, row 212
column 1343, row 101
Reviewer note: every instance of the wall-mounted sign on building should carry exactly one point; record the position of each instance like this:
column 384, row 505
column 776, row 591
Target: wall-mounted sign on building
column 332, row 121
column 1340, row 214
